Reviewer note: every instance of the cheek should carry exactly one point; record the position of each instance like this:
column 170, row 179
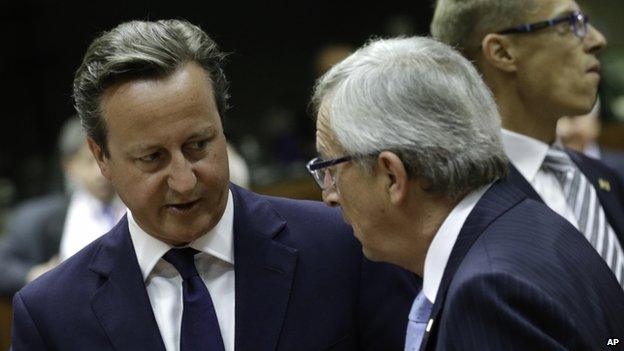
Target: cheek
column 137, row 190
column 213, row 172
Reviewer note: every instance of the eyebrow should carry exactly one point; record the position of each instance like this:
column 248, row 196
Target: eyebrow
column 207, row 132
column 204, row 133
column 565, row 10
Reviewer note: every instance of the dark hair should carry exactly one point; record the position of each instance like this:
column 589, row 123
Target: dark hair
column 143, row 49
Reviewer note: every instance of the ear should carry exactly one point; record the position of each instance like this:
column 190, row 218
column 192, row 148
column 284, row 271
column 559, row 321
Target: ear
column 498, row 50
column 100, row 157
column 394, row 175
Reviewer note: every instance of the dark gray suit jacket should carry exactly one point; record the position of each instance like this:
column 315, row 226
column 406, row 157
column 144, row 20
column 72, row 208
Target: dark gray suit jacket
column 33, row 236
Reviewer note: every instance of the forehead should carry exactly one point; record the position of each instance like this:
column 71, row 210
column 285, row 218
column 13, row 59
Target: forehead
column 145, row 109
column 552, row 8
column 326, row 143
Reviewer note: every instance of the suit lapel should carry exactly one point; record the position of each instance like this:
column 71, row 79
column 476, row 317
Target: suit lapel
column 608, row 199
column 121, row 303
column 264, row 272
column 501, row 196
column 518, row 180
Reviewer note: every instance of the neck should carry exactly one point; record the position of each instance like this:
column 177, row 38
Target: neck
column 519, row 112
column 432, row 214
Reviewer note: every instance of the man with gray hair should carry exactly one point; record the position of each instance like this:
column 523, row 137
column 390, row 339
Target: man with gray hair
column 198, row 263
column 409, row 142
column 539, row 60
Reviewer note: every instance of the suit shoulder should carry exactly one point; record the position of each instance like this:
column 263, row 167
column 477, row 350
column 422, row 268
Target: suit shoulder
column 538, row 247
column 596, row 165
column 307, row 212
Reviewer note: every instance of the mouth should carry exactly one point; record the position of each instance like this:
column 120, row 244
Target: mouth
column 182, row 207
column 594, row 69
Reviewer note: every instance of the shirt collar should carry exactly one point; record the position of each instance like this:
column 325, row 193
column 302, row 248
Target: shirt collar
column 218, row 242
column 444, row 240
column 526, row 153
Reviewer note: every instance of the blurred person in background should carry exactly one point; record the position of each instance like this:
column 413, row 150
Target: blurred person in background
column 581, row 133
column 239, row 170
column 44, row 231
column 539, row 58
column 198, row 262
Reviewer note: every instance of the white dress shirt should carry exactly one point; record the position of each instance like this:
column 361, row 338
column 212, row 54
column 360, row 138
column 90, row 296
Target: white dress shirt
column 87, row 219
column 444, row 240
column 215, row 264
column 528, row 154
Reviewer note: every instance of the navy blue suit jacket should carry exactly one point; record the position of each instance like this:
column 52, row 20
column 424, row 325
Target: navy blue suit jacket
column 301, row 284
column 520, row 277
column 610, row 194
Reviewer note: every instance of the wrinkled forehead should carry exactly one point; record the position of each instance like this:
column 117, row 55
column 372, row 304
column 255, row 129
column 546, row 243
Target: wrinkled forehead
column 327, row 144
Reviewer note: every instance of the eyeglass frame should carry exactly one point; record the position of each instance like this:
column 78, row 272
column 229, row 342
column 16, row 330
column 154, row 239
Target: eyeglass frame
column 574, row 19
column 314, row 167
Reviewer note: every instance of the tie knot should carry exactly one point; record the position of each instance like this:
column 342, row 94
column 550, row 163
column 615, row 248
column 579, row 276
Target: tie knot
column 557, row 160
column 183, row 260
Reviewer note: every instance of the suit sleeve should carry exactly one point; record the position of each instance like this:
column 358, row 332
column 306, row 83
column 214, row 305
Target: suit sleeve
column 500, row 312
column 32, row 237
column 25, row 335
column 19, row 251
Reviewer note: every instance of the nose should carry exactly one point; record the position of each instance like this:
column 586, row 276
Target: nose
column 331, row 197
column 594, row 41
column 181, row 178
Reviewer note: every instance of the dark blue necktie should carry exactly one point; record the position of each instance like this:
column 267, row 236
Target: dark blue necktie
column 200, row 327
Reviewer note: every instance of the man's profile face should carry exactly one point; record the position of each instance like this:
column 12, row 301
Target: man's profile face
column 168, row 158
column 557, row 69
column 356, row 192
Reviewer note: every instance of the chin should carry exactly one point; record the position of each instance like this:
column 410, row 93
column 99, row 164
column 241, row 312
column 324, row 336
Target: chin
column 373, row 255
column 176, row 237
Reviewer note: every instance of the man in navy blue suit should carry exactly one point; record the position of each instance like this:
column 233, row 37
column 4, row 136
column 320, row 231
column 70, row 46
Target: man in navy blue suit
column 410, row 149
column 539, row 60
column 198, row 263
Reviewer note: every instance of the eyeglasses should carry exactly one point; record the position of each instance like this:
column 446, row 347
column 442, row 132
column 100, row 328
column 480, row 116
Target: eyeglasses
column 321, row 171
column 578, row 22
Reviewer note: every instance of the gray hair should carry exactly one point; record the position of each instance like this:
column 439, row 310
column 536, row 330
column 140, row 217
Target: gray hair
column 464, row 23
column 71, row 138
column 142, row 49
column 422, row 100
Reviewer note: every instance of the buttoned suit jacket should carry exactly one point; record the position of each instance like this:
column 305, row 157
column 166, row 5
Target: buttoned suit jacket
column 33, row 236
column 520, row 277
column 301, row 284
column 606, row 182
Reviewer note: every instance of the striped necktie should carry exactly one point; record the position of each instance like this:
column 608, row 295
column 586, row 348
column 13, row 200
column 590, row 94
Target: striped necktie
column 582, row 199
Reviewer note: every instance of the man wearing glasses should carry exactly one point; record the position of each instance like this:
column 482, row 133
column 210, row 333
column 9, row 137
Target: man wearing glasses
column 421, row 180
column 539, row 60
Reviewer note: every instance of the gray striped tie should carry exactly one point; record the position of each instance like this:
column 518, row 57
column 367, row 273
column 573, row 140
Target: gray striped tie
column 582, row 199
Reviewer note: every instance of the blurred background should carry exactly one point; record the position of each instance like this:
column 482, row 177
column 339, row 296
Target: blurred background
column 278, row 49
